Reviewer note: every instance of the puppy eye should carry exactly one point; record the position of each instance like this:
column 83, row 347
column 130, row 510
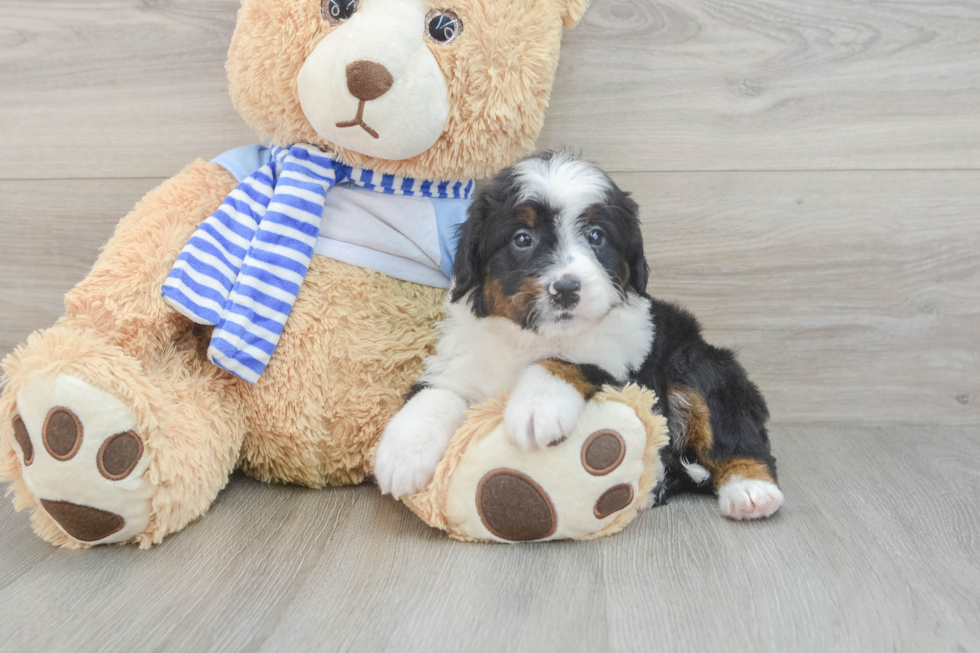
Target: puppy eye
column 337, row 11
column 596, row 237
column 443, row 26
column 523, row 240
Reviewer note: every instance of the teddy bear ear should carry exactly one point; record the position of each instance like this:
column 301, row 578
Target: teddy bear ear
column 572, row 11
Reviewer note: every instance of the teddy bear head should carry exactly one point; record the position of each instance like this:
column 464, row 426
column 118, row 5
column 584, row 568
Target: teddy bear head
column 436, row 89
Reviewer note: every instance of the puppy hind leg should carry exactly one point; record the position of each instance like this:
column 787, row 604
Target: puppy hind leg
column 737, row 465
column 746, row 489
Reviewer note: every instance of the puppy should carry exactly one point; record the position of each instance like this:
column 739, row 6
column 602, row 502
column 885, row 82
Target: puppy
column 549, row 300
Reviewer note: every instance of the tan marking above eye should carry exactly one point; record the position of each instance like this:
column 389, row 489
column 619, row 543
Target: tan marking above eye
column 62, row 434
column 527, row 215
column 119, row 456
column 24, row 440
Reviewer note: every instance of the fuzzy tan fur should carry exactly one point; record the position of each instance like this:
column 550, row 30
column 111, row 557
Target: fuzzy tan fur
column 481, row 421
column 499, row 80
column 355, row 340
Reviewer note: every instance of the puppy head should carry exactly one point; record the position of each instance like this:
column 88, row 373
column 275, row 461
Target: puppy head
column 551, row 244
column 437, row 89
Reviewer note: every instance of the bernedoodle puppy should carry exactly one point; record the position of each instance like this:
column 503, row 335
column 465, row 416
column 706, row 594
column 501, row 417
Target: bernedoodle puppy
column 549, row 300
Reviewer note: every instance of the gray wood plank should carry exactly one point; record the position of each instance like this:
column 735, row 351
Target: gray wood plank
column 123, row 88
column 771, row 85
column 875, row 550
column 852, row 297
column 117, row 88
column 52, row 233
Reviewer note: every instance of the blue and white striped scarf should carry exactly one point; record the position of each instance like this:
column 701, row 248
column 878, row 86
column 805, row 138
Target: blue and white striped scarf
column 242, row 269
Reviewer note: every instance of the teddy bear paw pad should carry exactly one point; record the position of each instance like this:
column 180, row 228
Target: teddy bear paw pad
column 82, row 459
column 573, row 490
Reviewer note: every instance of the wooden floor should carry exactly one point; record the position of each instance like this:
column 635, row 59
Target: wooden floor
column 809, row 177
column 876, row 550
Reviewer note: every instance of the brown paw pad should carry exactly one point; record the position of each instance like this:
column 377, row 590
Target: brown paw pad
column 119, row 455
column 603, row 452
column 62, row 434
column 84, row 523
column 613, row 500
column 24, row 440
column 514, row 507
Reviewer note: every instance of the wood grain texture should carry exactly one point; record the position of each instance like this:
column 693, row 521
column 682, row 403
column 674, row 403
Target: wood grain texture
column 875, row 550
column 52, row 233
column 852, row 297
column 771, row 85
column 123, row 88
column 115, row 88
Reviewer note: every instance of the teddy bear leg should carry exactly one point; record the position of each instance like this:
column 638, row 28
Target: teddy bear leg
column 112, row 426
column 109, row 449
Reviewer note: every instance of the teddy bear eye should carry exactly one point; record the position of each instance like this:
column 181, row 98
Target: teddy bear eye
column 443, row 26
column 337, row 11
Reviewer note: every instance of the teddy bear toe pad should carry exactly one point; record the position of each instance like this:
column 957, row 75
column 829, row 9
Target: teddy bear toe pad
column 82, row 459
column 571, row 490
column 513, row 507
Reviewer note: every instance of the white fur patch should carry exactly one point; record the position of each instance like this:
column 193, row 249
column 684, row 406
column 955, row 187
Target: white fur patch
column 415, row 440
column 744, row 498
column 696, row 472
column 542, row 409
column 479, row 358
column 563, row 182
column 78, row 480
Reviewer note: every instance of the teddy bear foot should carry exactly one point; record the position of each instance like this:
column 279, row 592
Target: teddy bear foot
column 589, row 484
column 82, row 459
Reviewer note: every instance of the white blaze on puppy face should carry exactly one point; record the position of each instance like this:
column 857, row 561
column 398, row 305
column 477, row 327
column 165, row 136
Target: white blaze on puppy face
column 570, row 187
column 404, row 120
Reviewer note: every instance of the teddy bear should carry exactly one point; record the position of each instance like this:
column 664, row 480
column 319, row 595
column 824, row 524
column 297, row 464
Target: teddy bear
column 266, row 311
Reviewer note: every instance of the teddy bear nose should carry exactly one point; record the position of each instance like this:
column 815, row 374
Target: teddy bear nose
column 367, row 80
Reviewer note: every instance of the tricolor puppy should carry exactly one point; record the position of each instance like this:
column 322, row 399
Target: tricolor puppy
column 549, row 299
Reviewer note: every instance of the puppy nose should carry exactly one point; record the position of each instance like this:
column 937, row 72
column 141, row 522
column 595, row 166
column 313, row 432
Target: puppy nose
column 367, row 80
column 565, row 290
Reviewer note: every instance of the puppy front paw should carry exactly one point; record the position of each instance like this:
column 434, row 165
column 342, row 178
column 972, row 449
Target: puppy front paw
column 405, row 463
column 542, row 409
column 415, row 440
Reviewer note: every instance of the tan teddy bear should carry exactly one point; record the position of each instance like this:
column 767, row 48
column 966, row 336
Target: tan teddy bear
column 117, row 424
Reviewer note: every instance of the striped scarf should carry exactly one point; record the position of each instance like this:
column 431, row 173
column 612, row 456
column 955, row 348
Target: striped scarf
column 242, row 269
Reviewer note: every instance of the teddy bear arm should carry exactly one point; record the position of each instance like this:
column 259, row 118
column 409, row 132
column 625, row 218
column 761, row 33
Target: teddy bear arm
column 121, row 298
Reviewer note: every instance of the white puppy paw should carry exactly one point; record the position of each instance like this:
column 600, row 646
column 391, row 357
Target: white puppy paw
column 415, row 440
column 542, row 409
column 743, row 498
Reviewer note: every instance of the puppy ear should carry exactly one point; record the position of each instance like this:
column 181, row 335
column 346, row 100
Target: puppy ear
column 639, row 272
column 572, row 11
column 469, row 267
column 635, row 257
